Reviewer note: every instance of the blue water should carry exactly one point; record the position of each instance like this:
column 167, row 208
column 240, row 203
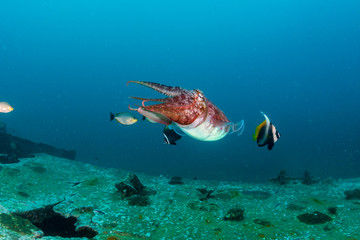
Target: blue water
column 64, row 66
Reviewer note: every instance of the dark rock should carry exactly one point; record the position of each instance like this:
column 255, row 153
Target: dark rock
column 328, row 228
column 202, row 190
column 332, row 210
column 176, row 180
column 134, row 191
column 205, row 194
column 131, row 186
column 234, row 214
column 314, row 218
column 23, row 194
column 125, row 190
column 135, row 182
column 262, row 222
column 86, row 231
column 352, row 194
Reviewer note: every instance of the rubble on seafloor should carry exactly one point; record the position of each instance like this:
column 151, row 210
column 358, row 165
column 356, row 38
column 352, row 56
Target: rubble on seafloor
column 47, row 197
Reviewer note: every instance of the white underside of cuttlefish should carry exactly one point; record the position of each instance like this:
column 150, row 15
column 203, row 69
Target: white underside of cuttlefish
column 188, row 110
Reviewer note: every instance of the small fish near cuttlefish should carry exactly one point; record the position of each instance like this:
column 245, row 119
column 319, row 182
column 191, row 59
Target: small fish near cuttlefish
column 170, row 136
column 266, row 133
column 124, row 118
column 5, row 107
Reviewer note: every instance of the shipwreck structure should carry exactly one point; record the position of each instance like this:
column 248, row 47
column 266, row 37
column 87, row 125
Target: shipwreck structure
column 12, row 148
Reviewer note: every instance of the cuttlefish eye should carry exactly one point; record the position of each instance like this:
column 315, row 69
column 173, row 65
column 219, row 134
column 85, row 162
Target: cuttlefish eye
column 200, row 96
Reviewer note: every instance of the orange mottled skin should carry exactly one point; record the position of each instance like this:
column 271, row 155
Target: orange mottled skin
column 182, row 106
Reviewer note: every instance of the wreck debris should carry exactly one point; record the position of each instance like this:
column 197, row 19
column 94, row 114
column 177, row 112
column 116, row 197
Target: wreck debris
column 308, row 180
column 17, row 147
column 282, row 179
column 176, row 180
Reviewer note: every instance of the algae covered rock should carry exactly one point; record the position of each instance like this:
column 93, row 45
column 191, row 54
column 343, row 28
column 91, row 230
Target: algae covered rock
column 234, row 214
column 18, row 224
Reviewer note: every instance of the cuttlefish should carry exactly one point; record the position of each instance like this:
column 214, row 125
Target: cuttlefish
column 188, row 111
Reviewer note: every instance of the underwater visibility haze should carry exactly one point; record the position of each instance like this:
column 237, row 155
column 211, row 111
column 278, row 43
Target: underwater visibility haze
column 64, row 66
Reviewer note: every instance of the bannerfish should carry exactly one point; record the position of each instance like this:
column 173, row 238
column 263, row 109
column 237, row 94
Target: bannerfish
column 266, row 133
column 124, row 118
column 170, row 136
column 5, row 107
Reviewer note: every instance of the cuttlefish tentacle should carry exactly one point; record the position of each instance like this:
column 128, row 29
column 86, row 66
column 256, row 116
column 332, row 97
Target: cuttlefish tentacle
column 163, row 89
column 152, row 99
column 170, row 103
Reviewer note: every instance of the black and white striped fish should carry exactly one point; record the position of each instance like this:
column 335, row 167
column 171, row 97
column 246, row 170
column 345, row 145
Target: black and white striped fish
column 266, row 133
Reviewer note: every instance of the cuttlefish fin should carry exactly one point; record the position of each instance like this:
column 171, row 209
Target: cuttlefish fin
column 238, row 127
